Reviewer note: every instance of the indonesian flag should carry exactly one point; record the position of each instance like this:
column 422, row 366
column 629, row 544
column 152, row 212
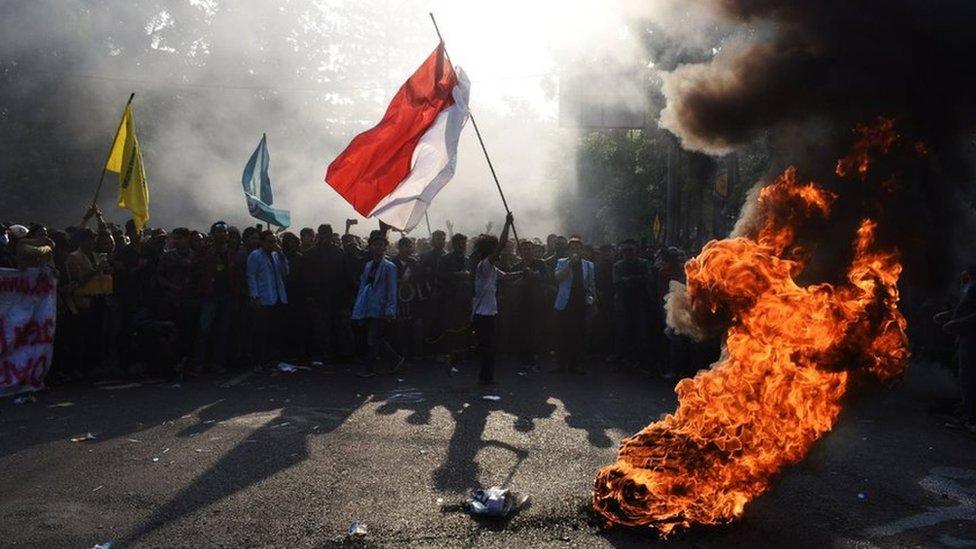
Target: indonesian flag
column 395, row 169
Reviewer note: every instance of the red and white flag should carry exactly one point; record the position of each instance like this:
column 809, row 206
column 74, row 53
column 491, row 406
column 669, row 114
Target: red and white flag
column 395, row 169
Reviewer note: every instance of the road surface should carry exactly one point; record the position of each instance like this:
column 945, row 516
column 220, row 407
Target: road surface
column 269, row 459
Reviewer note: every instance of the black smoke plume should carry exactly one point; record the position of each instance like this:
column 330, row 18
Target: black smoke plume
column 804, row 74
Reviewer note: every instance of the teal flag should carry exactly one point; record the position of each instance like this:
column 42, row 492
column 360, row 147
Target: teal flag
column 257, row 188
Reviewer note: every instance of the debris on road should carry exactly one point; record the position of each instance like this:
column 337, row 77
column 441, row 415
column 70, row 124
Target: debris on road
column 64, row 404
column 83, row 438
column 495, row 502
column 104, row 545
column 491, row 397
column 290, row 368
column 155, row 460
column 406, row 396
column 26, row 399
column 123, row 386
column 100, row 486
column 357, row 529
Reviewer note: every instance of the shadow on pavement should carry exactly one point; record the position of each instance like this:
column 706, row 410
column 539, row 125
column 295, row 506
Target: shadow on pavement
column 589, row 400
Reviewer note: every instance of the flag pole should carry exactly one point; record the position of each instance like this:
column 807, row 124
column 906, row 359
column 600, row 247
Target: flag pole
column 477, row 131
column 427, row 218
column 101, row 179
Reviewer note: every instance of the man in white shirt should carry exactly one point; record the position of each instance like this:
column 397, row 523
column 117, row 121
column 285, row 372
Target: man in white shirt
column 485, row 304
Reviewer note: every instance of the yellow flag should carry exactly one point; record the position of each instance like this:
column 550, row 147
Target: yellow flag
column 126, row 160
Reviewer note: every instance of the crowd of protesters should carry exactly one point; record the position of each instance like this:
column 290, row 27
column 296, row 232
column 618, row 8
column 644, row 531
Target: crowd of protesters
column 184, row 302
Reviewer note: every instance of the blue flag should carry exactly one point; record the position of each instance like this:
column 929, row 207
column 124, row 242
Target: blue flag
column 257, row 188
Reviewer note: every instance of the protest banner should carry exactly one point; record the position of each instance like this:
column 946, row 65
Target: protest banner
column 28, row 306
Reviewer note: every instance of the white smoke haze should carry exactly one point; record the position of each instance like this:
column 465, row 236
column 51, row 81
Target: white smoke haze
column 210, row 76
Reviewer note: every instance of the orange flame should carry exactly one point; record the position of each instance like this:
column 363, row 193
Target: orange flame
column 789, row 352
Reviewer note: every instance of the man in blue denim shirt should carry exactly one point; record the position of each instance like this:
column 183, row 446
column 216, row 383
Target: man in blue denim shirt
column 576, row 294
column 267, row 268
column 376, row 304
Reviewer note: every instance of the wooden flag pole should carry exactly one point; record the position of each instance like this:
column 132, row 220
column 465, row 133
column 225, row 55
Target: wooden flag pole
column 101, row 179
column 478, row 133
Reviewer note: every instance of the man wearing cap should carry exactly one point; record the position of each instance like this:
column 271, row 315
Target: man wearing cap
column 575, row 296
column 8, row 252
column 376, row 303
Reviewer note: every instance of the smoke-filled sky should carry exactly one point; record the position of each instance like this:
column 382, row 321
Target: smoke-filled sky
column 211, row 75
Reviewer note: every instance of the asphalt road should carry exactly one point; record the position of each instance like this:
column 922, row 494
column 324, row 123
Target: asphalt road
column 289, row 459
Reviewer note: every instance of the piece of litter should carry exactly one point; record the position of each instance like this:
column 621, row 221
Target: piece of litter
column 100, row 486
column 83, row 438
column 399, row 380
column 454, row 370
column 521, row 373
column 317, row 363
column 490, row 397
column 199, row 450
column 287, row 368
column 357, row 529
column 133, row 440
column 104, row 545
column 862, row 495
column 166, row 450
column 495, row 502
column 209, row 421
column 26, row 399
column 422, row 451
column 440, row 501
column 116, row 387
column 155, row 460
column 61, row 405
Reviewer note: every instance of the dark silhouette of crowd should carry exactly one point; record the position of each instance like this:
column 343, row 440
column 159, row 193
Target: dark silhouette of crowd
column 186, row 303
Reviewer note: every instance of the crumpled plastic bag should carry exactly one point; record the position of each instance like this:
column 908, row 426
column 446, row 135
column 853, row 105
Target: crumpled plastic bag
column 495, row 502
column 357, row 529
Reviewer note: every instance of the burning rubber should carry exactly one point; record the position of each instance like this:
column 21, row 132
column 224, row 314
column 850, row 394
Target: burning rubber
column 791, row 353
